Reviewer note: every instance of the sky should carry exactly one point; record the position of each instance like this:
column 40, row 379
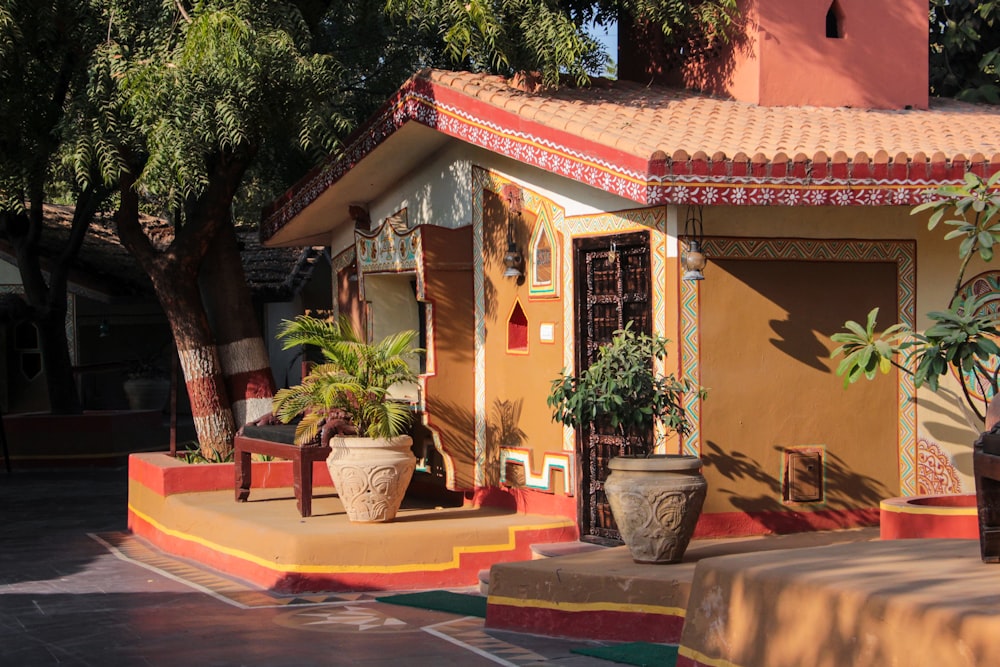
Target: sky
column 609, row 40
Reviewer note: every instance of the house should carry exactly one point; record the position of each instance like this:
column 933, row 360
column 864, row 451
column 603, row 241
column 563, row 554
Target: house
column 114, row 322
column 516, row 228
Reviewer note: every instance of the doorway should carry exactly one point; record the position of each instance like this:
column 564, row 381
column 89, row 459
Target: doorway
column 613, row 287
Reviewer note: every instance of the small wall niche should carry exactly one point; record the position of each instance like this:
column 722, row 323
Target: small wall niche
column 835, row 21
column 517, row 330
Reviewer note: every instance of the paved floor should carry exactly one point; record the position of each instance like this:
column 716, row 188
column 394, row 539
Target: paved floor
column 76, row 589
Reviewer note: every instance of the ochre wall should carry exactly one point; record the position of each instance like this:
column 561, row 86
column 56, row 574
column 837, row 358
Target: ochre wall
column 945, row 427
column 765, row 348
column 517, row 382
column 450, row 380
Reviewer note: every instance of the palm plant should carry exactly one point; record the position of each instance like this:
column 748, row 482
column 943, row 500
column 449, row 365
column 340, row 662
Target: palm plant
column 353, row 380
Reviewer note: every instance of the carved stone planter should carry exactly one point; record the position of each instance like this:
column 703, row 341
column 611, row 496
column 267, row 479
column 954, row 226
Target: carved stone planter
column 371, row 475
column 656, row 503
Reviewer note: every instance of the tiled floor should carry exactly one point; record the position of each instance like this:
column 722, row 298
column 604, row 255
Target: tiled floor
column 76, row 589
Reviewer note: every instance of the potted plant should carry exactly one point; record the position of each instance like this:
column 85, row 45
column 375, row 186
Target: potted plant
column 346, row 401
column 655, row 499
column 146, row 386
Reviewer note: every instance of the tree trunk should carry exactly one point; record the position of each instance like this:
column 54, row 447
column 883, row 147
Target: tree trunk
column 47, row 299
column 213, row 419
column 174, row 273
column 242, row 353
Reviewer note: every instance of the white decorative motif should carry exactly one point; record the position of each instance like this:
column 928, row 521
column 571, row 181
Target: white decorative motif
column 387, row 250
column 551, row 461
column 627, row 176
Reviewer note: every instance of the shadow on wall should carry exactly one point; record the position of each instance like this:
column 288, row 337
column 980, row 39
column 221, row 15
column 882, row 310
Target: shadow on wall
column 455, row 427
column 502, row 430
column 844, row 489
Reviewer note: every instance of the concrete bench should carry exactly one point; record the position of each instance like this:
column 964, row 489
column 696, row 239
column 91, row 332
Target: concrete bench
column 277, row 441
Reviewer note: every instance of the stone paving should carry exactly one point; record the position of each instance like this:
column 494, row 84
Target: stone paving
column 77, row 589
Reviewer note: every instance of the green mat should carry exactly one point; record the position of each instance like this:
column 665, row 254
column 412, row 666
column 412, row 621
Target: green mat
column 634, row 653
column 453, row 603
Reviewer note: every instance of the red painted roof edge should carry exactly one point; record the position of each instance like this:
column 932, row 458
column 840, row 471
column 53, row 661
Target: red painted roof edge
column 657, row 180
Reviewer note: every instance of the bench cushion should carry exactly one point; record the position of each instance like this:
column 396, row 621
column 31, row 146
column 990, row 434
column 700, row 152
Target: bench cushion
column 283, row 433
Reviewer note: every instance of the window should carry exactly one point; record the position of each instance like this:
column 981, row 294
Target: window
column 835, row 21
column 544, row 255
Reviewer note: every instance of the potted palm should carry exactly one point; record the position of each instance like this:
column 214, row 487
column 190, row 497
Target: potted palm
column 655, row 498
column 346, row 401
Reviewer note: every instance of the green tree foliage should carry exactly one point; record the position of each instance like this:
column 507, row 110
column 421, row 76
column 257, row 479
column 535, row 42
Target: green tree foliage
column 963, row 335
column 965, row 49
column 45, row 48
column 621, row 390
column 549, row 36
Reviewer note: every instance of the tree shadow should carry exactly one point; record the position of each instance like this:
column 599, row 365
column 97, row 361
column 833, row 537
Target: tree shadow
column 843, row 489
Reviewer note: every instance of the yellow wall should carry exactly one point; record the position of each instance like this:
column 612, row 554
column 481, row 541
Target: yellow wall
column 945, row 427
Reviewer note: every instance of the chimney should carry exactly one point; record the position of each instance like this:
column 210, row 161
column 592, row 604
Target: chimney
column 857, row 53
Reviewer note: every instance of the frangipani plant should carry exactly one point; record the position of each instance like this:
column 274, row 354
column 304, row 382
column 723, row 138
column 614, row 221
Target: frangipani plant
column 963, row 335
column 354, row 379
column 622, row 389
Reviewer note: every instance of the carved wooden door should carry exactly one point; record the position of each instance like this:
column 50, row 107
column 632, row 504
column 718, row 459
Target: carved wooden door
column 613, row 285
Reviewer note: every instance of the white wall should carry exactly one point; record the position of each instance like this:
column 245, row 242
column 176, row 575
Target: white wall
column 440, row 192
column 393, row 309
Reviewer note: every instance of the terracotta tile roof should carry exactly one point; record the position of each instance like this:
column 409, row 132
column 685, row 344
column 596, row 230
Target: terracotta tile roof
column 658, row 145
column 640, row 120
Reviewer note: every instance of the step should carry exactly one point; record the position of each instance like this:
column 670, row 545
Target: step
column 484, row 581
column 554, row 549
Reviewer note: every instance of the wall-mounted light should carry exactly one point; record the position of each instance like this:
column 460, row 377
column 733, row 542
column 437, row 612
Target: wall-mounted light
column 694, row 259
column 104, row 329
column 613, row 253
column 512, row 259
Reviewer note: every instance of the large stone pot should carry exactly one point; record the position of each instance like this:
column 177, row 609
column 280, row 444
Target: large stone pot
column 371, row 475
column 656, row 502
column 146, row 393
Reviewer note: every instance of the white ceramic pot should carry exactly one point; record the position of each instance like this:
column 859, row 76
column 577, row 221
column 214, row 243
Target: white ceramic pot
column 371, row 475
column 656, row 502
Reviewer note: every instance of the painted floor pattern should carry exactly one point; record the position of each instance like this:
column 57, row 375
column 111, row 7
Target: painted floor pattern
column 329, row 613
column 130, row 548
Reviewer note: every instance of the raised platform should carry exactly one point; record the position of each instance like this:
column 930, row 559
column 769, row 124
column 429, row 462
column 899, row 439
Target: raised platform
column 949, row 516
column 806, row 600
column 190, row 511
column 604, row 594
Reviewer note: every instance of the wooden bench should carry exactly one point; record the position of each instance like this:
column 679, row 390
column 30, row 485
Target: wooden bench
column 277, row 441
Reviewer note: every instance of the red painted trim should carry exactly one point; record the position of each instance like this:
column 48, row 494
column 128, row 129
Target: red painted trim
column 466, row 574
column 167, row 476
column 908, row 523
column 526, row 501
column 740, row 524
column 602, row 625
